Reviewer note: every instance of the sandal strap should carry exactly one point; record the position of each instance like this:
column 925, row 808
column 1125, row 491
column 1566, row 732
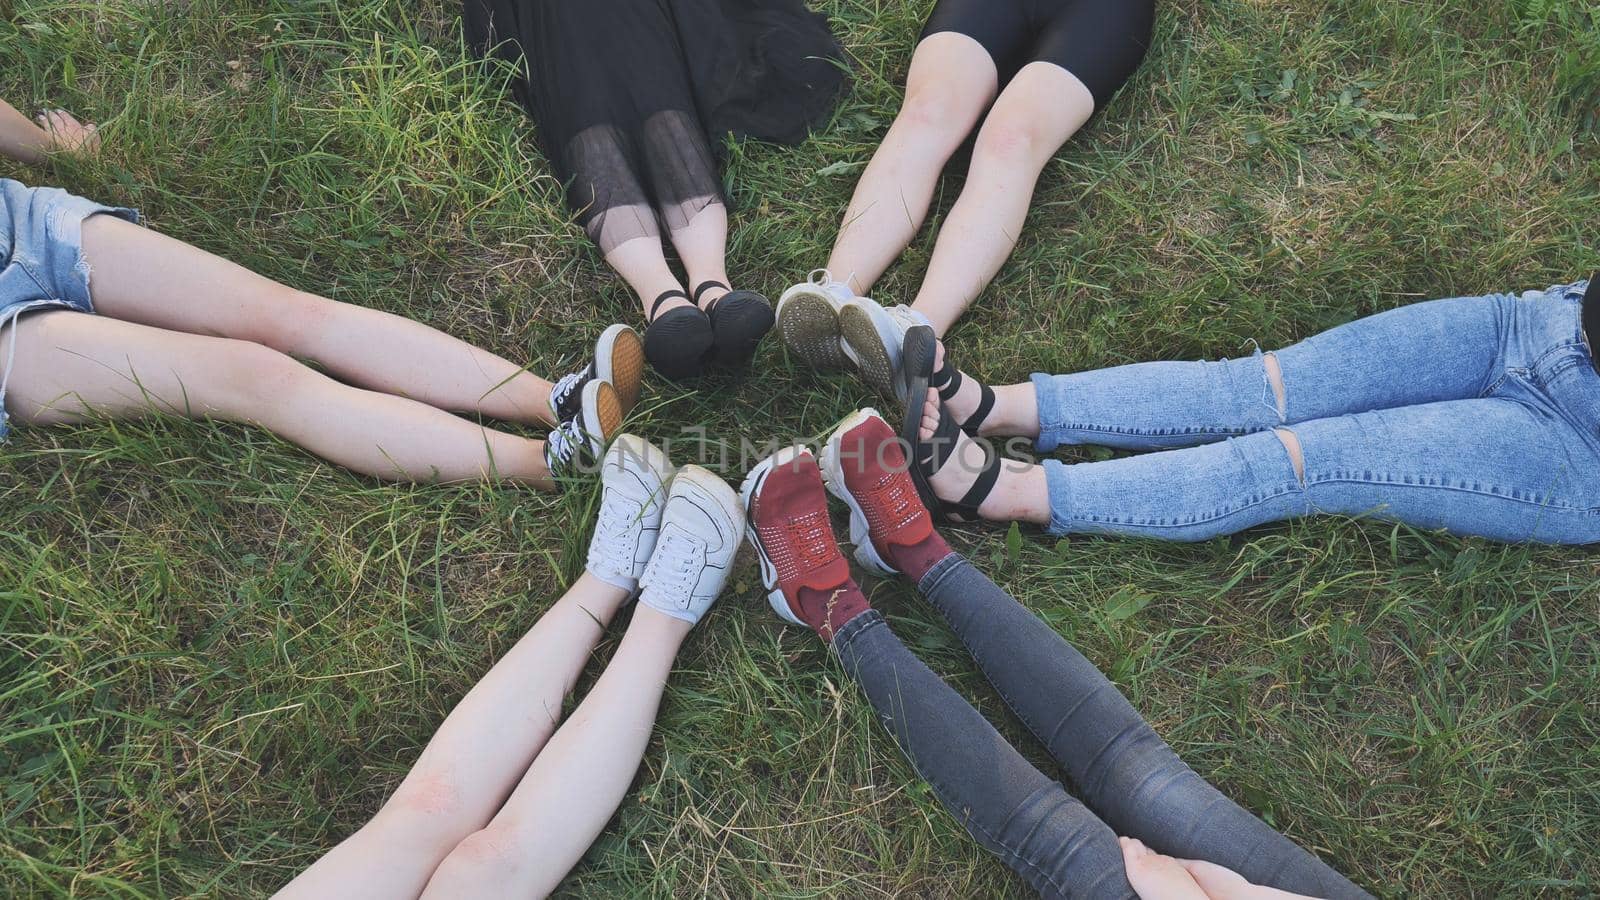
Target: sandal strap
column 937, row 450
column 985, row 406
column 948, row 381
column 664, row 298
column 706, row 286
column 967, row 507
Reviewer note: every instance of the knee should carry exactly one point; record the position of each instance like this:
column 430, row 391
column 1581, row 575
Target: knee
column 285, row 322
column 1275, row 383
column 937, row 114
column 491, row 855
column 252, row 372
column 1012, row 142
column 1297, row 457
column 427, row 814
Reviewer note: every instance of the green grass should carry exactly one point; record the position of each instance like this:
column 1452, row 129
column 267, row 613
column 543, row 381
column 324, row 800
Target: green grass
column 218, row 655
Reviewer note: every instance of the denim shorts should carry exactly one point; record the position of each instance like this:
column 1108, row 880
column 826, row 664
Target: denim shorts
column 41, row 258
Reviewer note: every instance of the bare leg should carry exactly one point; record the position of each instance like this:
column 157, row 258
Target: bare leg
column 643, row 265
column 703, row 246
column 70, row 365
column 473, row 760
column 1039, row 110
column 576, row 783
column 146, row 277
column 952, row 80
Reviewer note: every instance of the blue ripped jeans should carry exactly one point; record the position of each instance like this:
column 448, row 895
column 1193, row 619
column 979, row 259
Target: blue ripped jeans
column 1478, row 415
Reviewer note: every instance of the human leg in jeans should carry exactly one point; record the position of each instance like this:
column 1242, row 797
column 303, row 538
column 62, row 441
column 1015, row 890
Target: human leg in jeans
column 1427, row 414
column 1026, row 818
column 1007, row 805
column 1123, row 771
column 1121, row 768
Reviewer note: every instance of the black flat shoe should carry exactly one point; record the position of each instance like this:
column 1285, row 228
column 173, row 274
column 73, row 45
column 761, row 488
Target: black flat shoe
column 739, row 320
column 678, row 342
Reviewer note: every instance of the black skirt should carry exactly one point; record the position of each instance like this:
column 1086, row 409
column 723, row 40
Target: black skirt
column 632, row 97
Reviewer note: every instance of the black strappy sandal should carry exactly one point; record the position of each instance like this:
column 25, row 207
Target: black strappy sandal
column 739, row 320
column 947, row 381
column 678, row 341
column 929, row 456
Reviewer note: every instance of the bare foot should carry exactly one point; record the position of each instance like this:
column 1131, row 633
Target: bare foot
column 967, row 398
column 1157, row 877
column 67, row 134
column 966, row 462
column 1225, row 884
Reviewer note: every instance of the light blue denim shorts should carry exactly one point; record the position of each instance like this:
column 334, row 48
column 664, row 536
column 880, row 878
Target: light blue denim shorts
column 41, row 259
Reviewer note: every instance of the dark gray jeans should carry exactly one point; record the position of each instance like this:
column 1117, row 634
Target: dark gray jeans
column 1131, row 782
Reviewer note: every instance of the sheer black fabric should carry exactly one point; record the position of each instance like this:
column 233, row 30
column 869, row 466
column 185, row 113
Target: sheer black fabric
column 632, row 97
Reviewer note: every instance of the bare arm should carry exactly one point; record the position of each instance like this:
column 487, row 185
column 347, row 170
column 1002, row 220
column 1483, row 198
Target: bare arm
column 33, row 141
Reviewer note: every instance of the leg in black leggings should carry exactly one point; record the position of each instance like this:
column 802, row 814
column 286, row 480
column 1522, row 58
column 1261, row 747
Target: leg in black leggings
column 1007, row 805
column 1122, row 769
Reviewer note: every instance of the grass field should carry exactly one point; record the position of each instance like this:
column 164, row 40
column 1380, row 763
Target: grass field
column 218, row 655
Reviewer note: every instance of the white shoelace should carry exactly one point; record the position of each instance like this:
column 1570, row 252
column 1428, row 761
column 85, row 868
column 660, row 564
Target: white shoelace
column 677, row 575
column 565, row 441
column 570, row 382
column 616, row 538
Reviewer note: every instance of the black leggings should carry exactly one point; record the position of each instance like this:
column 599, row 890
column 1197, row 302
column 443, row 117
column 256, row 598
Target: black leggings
column 1099, row 41
column 1131, row 782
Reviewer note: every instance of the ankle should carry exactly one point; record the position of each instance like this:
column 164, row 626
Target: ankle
column 715, row 287
column 829, row 611
column 914, row 560
column 1021, row 494
column 1016, row 411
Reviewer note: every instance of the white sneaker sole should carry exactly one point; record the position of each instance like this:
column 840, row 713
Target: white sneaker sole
column 833, row 476
column 873, row 338
column 769, row 572
column 808, row 322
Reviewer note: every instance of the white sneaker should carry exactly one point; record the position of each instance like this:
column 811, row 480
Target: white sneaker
column 874, row 335
column 633, row 495
column 808, row 320
column 700, row 534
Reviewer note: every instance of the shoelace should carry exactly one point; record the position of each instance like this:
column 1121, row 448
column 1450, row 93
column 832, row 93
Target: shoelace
column 616, row 532
column 675, row 564
column 898, row 499
column 569, row 384
column 811, row 534
column 566, row 442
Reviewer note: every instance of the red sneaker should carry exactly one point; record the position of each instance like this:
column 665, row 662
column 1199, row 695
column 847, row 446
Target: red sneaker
column 865, row 466
column 808, row 582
